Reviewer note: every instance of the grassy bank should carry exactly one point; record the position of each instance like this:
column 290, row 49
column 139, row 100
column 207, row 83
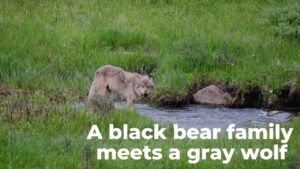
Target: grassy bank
column 36, row 133
column 56, row 46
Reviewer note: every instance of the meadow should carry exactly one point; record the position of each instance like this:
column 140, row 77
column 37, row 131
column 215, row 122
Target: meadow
column 56, row 46
column 49, row 51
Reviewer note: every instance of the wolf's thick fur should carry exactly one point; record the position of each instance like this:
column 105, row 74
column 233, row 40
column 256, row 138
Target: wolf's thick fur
column 130, row 86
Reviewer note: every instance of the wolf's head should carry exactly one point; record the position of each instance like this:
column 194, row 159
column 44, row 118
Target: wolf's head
column 144, row 86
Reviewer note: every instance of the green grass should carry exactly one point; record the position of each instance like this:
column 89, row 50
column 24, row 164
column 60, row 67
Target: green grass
column 51, row 45
column 37, row 133
column 49, row 51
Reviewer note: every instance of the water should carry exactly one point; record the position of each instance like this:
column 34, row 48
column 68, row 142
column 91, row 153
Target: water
column 199, row 116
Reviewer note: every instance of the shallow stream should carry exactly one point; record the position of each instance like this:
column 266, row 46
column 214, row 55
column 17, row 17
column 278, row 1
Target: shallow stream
column 199, row 116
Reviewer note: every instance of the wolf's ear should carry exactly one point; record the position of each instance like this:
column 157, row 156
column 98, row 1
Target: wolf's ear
column 151, row 78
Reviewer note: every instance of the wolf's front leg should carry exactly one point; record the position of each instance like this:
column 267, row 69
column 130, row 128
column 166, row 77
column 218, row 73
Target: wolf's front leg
column 130, row 102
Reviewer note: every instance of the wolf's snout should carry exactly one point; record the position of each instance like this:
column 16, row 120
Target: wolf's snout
column 145, row 94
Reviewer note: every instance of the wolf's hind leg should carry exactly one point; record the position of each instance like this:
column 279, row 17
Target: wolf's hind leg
column 97, row 96
column 98, row 87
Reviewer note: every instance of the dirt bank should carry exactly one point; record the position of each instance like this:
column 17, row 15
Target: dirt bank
column 287, row 98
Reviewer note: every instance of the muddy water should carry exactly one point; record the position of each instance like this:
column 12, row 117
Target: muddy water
column 199, row 116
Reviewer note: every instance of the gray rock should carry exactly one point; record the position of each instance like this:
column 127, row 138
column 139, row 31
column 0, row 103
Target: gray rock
column 212, row 95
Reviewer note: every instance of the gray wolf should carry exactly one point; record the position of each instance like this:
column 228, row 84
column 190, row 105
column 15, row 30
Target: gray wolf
column 128, row 85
